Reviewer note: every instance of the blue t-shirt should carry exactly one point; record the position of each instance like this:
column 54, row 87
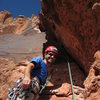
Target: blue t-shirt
column 40, row 70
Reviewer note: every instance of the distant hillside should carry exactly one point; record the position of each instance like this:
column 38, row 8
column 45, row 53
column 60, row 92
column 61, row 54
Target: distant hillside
column 18, row 25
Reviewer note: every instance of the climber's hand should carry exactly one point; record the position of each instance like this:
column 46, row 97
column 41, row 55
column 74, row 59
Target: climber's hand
column 58, row 92
column 26, row 82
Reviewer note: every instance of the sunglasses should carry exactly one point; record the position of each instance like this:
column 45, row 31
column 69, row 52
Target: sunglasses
column 52, row 54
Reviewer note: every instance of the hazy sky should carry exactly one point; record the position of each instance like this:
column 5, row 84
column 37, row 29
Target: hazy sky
column 21, row 7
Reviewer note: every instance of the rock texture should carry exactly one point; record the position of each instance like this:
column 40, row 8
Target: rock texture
column 92, row 82
column 4, row 16
column 9, row 73
column 76, row 25
column 18, row 25
column 61, row 83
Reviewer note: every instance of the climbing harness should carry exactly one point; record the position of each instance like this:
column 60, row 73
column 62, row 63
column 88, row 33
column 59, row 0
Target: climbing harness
column 14, row 91
column 69, row 69
column 18, row 93
column 43, row 86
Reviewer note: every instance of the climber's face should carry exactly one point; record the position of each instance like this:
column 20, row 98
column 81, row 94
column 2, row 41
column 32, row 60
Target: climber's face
column 50, row 57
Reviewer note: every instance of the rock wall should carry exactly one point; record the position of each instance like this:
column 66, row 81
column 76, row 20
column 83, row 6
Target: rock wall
column 4, row 15
column 76, row 25
column 18, row 25
column 92, row 82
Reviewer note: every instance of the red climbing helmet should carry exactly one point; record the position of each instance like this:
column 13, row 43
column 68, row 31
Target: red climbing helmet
column 51, row 49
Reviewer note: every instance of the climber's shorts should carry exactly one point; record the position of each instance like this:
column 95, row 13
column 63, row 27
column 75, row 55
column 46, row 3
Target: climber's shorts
column 35, row 86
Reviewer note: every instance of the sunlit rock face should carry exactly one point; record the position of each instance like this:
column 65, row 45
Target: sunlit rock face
column 76, row 25
column 4, row 16
column 18, row 25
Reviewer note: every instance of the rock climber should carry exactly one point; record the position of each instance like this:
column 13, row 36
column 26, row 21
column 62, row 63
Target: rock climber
column 36, row 74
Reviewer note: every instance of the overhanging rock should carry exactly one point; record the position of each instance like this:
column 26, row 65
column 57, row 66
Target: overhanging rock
column 76, row 25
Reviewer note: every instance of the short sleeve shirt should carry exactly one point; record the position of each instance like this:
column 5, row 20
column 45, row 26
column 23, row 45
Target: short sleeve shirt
column 40, row 70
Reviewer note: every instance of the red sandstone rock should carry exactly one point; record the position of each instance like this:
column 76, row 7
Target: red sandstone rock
column 18, row 25
column 76, row 25
column 92, row 82
column 9, row 73
column 4, row 16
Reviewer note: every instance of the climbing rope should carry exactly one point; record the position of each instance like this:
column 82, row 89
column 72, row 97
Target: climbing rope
column 69, row 69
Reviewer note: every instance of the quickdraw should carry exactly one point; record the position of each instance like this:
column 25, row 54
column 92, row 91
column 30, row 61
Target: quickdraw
column 15, row 90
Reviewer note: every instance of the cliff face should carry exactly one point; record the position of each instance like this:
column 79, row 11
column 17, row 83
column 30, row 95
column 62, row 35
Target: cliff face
column 92, row 82
column 75, row 25
column 4, row 16
column 18, row 25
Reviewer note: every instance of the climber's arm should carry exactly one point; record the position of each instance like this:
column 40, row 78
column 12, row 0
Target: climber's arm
column 27, row 78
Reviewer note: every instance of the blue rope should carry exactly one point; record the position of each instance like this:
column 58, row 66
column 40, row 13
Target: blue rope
column 71, row 80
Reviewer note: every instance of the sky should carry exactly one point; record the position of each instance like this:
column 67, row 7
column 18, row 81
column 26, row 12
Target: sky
column 21, row 7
